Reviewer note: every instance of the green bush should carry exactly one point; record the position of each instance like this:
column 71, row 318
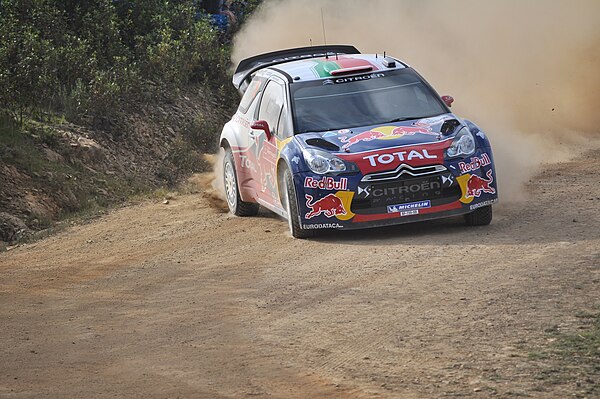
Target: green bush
column 85, row 59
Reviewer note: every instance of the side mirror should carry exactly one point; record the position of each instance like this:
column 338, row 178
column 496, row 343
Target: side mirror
column 264, row 126
column 448, row 100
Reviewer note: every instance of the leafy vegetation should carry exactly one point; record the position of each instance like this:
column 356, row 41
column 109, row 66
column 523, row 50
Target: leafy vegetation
column 88, row 59
column 147, row 81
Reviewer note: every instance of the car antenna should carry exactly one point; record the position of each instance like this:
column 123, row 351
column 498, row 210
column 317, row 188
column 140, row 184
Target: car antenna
column 310, row 40
column 324, row 36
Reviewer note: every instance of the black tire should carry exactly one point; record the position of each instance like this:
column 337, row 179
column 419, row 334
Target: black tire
column 479, row 217
column 291, row 204
column 232, row 192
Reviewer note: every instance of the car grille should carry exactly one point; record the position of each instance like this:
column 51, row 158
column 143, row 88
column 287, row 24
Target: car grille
column 374, row 197
column 404, row 171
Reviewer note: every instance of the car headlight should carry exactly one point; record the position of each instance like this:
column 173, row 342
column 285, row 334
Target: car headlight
column 321, row 162
column 463, row 144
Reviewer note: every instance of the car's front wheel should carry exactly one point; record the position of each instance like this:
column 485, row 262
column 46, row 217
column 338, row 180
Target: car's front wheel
column 232, row 194
column 291, row 205
column 479, row 217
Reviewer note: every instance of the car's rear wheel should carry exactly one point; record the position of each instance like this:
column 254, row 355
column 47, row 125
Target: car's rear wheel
column 232, row 193
column 291, row 205
column 479, row 217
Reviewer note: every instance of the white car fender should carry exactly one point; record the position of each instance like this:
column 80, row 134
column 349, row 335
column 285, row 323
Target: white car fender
column 235, row 136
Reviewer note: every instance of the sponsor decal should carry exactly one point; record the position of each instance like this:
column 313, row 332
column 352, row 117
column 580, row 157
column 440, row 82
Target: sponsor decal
column 385, row 216
column 296, row 160
column 386, row 133
column 412, row 188
column 247, row 163
column 447, row 180
column 267, row 151
column 475, row 164
column 476, row 185
column 346, row 197
column 364, row 190
column 473, row 186
column 322, row 226
column 388, row 159
column 281, row 144
column 326, row 183
column 267, row 183
column 238, row 119
column 433, row 120
column 358, row 78
column 385, row 159
column 330, row 206
column 482, row 204
column 336, row 134
column 324, row 67
column 409, row 213
column 412, row 130
column 408, row 206
column 260, row 159
column 364, row 136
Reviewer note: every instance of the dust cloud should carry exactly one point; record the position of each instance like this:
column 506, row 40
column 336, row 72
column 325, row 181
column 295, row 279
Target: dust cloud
column 211, row 183
column 526, row 71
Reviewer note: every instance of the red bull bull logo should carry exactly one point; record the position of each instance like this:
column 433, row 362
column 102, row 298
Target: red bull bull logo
column 412, row 130
column 386, row 133
column 476, row 185
column 364, row 136
column 330, row 206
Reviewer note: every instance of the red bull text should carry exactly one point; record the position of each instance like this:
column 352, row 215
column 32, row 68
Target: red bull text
column 475, row 163
column 327, row 183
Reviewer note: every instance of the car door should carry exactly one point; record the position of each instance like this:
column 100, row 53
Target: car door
column 244, row 148
column 270, row 109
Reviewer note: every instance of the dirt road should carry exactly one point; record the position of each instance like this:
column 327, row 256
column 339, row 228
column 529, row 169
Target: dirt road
column 180, row 300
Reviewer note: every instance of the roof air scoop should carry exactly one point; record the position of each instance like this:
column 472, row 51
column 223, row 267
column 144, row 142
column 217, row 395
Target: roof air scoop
column 389, row 62
column 345, row 71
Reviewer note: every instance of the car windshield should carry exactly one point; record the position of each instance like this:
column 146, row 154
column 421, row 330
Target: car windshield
column 346, row 102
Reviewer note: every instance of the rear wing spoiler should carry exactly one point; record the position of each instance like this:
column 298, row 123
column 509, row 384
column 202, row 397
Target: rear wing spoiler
column 244, row 71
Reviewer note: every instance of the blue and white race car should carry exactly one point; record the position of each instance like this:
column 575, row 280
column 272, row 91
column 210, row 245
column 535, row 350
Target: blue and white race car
column 333, row 139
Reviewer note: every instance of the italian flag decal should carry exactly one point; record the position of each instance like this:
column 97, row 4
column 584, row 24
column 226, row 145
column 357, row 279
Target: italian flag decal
column 323, row 66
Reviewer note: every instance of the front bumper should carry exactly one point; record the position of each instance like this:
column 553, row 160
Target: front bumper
column 403, row 195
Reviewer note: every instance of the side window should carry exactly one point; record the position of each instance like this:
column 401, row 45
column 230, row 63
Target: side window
column 250, row 95
column 284, row 128
column 271, row 105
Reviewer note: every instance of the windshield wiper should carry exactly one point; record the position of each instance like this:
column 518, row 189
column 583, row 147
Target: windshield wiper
column 401, row 119
column 408, row 118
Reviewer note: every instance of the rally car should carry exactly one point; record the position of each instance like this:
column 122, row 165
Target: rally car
column 330, row 138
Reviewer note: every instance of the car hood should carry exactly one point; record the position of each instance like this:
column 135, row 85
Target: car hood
column 409, row 132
